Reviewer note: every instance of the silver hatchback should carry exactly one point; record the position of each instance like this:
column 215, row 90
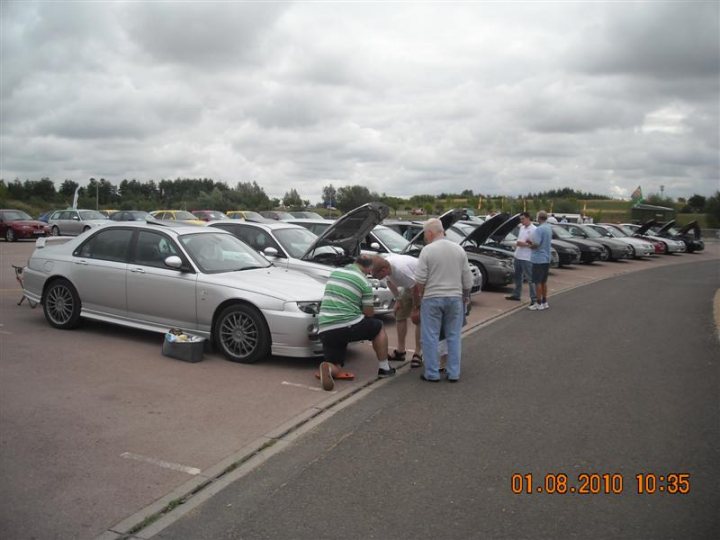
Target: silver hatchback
column 72, row 222
column 155, row 277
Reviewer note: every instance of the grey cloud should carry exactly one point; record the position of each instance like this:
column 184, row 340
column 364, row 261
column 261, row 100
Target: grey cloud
column 203, row 35
column 403, row 98
column 655, row 39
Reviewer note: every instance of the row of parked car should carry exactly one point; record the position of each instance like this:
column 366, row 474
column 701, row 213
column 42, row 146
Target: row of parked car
column 16, row 224
column 254, row 287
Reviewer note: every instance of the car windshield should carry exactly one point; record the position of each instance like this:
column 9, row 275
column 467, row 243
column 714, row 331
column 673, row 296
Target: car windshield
column 392, row 240
column 306, row 215
column 672, row 231
column 610, row 233
column 15, row 215
column 252, row 215
column 140, row 215
column 214, row 215
column 216, row 253
column 296, row 241
column 561, row 232
column 465, row 228
column 626, row 230
column 90, row 214
column 592, row 233
column 454, row 236
column 182, row 214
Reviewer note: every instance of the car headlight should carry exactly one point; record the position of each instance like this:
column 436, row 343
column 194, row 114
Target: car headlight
column 377, row 284
column 311, row 308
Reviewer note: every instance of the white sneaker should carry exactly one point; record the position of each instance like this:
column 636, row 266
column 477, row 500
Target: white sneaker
column 545, row 306
column 534, row 307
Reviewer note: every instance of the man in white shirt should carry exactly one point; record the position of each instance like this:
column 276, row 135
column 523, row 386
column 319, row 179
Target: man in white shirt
column 400, row 273
column 444, row 280
column 523, row 265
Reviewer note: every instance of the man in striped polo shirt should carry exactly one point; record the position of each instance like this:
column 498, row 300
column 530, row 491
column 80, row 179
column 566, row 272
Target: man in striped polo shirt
column 346, row 315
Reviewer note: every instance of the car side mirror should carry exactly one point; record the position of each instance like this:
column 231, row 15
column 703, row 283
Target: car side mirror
column 174, row 262
column 270, row 252
column 375, row 246
column 76, row 218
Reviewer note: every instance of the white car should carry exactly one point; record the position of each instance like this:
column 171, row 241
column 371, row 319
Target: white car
column 155, row 277
column 294, row 247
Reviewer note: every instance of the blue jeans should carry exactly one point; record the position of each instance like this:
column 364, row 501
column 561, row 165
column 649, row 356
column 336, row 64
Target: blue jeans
column 446, row 313
column 524, row 268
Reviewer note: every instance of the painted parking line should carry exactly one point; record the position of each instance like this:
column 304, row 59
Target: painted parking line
column 160, row 463
column 313, row 388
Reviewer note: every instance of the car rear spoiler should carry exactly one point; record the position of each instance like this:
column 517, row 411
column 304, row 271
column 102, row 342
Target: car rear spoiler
column 50, row 241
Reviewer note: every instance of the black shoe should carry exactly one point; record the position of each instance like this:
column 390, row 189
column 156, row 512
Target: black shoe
column 511, row 297
column 453, row 380
column 382, row 373
column 428, row 380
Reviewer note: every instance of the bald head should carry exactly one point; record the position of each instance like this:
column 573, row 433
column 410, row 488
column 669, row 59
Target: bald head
column 434, row 225
column 432, row 230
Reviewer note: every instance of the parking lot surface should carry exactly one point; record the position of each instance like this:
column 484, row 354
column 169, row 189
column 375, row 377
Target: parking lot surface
column 607, row 387
column 96, row 425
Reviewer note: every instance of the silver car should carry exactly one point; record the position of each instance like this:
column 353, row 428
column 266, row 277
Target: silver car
column 72, row 222
column 295, row 247
column 640, row 248
column 643, row 231
column 155, row 277
column 381, row 240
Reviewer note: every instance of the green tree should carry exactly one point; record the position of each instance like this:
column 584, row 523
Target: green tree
column 349, row 197
column 292, row 199
column 696, row 204
column 43, row 189
column 67, row 189
column 215, row 200
column 329, row 195
column 248, row 196
column 712, row 208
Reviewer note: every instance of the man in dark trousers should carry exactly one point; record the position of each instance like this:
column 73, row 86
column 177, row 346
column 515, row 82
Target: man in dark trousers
column 346, row 315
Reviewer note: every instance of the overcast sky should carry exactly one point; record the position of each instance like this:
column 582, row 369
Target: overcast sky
column 404, row 98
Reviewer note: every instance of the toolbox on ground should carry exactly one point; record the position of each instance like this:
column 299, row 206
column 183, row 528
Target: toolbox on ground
column 183, row 347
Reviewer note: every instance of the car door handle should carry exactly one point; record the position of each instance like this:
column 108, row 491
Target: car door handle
column 81, row 262
column 137, row 270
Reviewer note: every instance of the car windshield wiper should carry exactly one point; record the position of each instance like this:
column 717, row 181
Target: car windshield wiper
column 252, row 267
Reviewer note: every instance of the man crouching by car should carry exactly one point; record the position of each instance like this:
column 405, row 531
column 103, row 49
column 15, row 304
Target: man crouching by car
column 346, row 315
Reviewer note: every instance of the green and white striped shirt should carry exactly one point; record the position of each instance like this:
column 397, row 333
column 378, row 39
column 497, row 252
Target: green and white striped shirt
column 347, row 292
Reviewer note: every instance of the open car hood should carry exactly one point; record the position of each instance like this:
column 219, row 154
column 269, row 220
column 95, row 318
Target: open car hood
column 666, row 227
column 448, row 219
column 646, row 226
column 348, row 231
column 693, row 228
column 482, row 233
column 499, row 234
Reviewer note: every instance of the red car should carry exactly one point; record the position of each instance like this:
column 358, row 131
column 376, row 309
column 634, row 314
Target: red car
column 16, row 224
column 208, row 215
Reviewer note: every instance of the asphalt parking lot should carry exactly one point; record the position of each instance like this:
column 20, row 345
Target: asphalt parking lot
column 96, row 425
